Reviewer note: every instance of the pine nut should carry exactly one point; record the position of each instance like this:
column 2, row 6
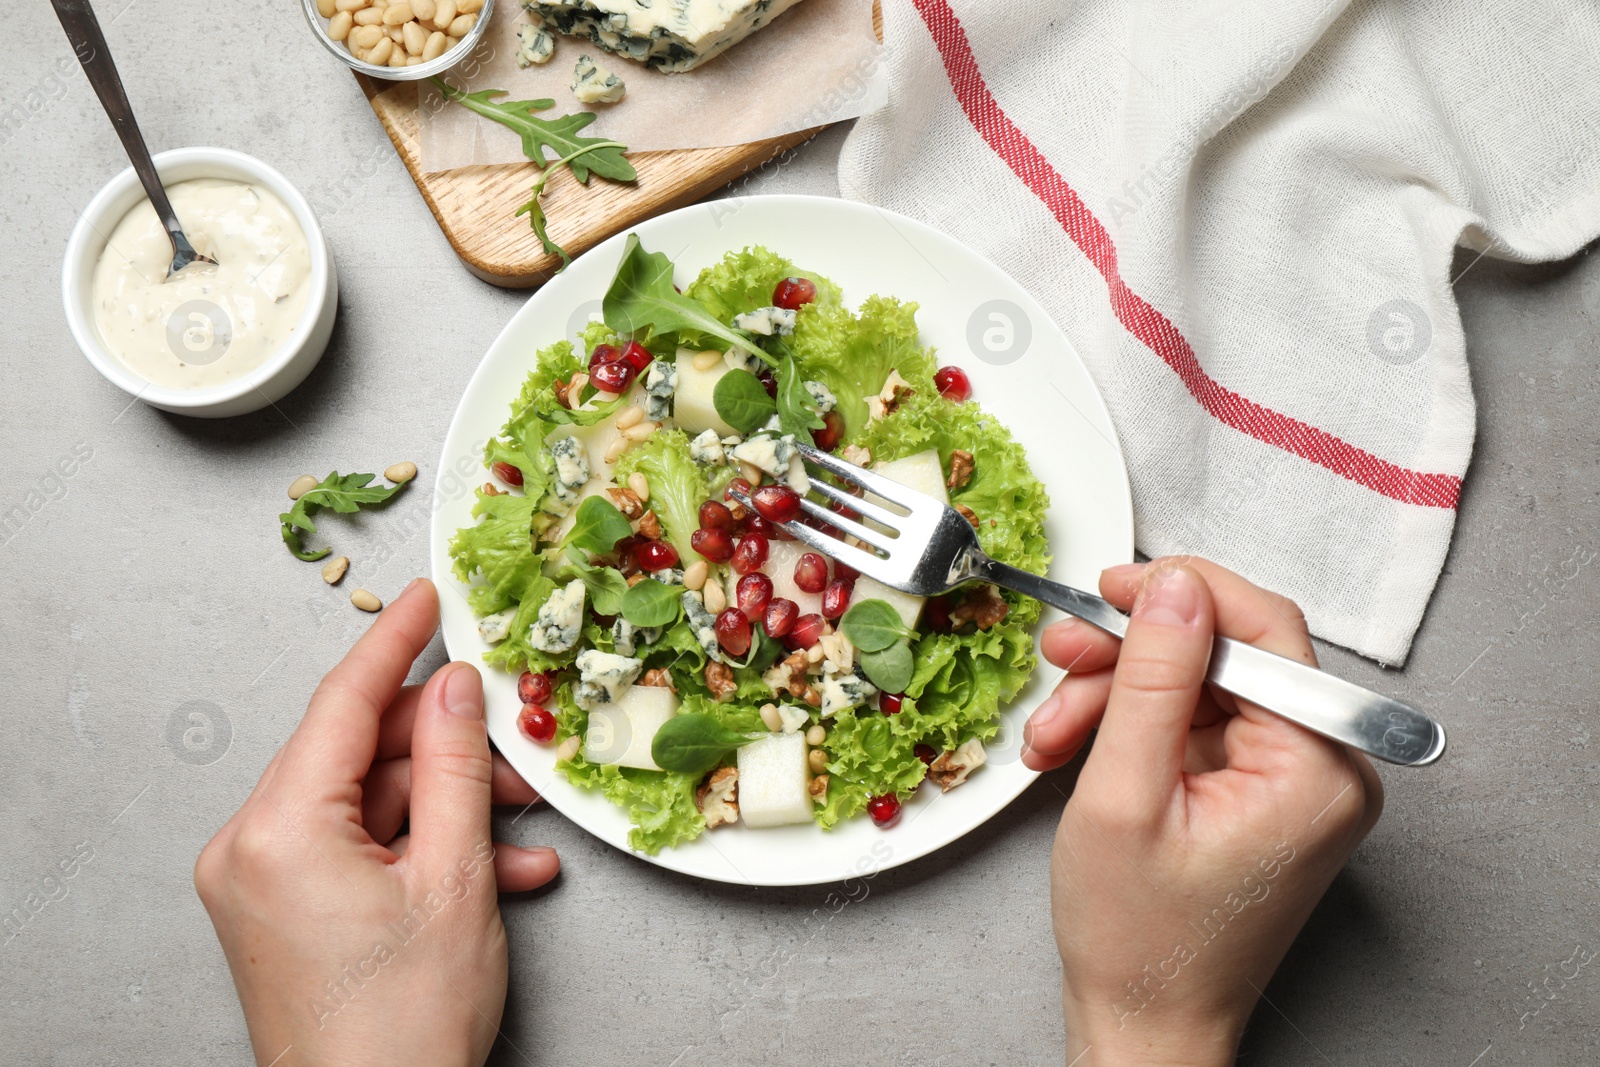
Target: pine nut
column 462, row 25
column 468, row 7
column 394, row 33
column 437, row 43
column 716, row 600
column 415, row 37
column 379, row 55
column 349, row 5
column 423, row 9
column 814, row 654
column 301, row 486
column 817, row 760
column 568, row 748
column 629, row 417
column 640, row 485
column 366, row 36
column 397, row 14
column 444, row 13
column 326, row 8
column 706, row 360
column 639, row 431
column 412, row 61
column 401, row 472
column 751, row 472
column 369, row 16
column 339, row 25
column 816, row 735
column 366, row 601
column 695, row 574
column 334, row 569
column 615, row 450
column 770, row 717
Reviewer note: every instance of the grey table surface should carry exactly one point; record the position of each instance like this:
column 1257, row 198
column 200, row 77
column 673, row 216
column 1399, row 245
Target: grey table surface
column 152, row 578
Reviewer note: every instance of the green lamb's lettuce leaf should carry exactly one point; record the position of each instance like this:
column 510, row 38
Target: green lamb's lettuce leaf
column 649, row 603
column 693, row 743
column 853, row 353
column 678, row 485
column 605, row 586
column 742, row 401
column 597, row 528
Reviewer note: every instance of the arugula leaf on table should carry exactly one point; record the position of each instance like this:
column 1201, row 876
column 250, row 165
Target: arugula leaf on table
column 344, row 494
column 642, row 296
column 559, row 135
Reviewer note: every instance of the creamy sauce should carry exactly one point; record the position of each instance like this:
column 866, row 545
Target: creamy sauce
column 208, row 324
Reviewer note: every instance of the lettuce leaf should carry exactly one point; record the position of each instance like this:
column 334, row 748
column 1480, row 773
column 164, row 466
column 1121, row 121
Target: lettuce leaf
column 678, row 485
column 744, row 281
column 499, row 549
column 869, row 753
column 852, row 353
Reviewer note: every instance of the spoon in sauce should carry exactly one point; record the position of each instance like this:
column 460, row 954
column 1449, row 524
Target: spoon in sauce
column 83, row 31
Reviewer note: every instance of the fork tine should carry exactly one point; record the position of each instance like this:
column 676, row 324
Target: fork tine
column 887, row 488
column 875, row 538
column 873, row 511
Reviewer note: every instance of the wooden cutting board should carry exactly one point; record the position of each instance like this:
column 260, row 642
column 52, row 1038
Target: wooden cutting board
column 475, row 206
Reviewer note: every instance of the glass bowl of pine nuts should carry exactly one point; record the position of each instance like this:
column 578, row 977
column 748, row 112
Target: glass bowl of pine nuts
column 399, row 40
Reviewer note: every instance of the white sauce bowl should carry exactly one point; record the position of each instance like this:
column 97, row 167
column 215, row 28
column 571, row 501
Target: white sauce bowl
column 278, row 373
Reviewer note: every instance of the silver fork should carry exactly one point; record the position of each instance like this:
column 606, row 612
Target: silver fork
column 932, row 549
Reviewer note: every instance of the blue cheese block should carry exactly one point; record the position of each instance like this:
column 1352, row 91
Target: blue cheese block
column 822, row 396
column 840, row 691
column 706, row 450
column 670, row 35
column 702, row 623
column 595, row 84
column 622, row 732
column 571, row 467
column 560, row 620
column 772, row 781
column 602, row 678
column 497, row 627
column 535, row 45
column 660, row 382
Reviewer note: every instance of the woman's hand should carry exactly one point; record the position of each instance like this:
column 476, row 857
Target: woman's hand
column 1203, row 829
column 349, row 944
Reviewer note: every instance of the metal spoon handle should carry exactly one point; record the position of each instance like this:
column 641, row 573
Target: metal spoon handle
column 83, row 31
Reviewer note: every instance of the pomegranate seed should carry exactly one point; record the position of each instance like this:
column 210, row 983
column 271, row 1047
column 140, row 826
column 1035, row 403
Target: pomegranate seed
column 715, row 545
column 926, row 754
column 534, row 688
column 736, row 509
column 936, row 614
column 793, row 292
column 638, row 356
column 656, row 556
column 885, row 810
column 807, row 631
column 889, row 703
column 749, row 554
column 832, row 430
column 953, row 384
column 845, row 573
column 845, row 510
column 811, row 573
column 776, row 503
column 733, row 632
column 603, row 354
column 715, row 516
column 537, row 723
column 613, row 377
column 768, row 380
column 755, row 524
column 507, row 473
column 781, row 616
column 835, row 598
column 754, row 593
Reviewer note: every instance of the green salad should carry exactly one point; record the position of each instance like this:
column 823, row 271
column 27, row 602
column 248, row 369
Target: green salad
column 684, row 655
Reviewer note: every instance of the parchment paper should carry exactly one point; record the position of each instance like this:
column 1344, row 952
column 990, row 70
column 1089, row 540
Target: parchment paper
column 818, row 62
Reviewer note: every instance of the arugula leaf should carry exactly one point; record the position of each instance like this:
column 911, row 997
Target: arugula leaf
column 649, row 603
column 534, row 208
column 873, row 625
column 797, row 411
column 889, row 669
column 583, row 416
column 642, row 297
column 344, row 495
column 742, row 401
column 559, row 135
column 606, row 585
column 693, row 743
column 598, row 527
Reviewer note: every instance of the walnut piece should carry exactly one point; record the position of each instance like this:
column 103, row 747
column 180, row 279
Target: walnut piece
column 627, row 502
column 718, row 797
column 857, row 454
column 635, row 578
column 561, row 386
column 490, row 489
column 960, row 469
column 791, row 675
column 719, row 679
column 983, row 606
column 818, row 789
column 950, row 769
column 649, row 525
column 968, row 514
column 659, row 677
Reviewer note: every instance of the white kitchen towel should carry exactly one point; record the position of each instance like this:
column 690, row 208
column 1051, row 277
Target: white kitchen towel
column 1243, row 213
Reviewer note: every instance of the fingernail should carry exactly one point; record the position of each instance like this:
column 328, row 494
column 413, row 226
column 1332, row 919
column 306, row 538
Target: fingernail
column 1047, row 712
column 1169, row 598
column 1125, row 570
column 1062, row 628
column 411, row 585
column 463, row 693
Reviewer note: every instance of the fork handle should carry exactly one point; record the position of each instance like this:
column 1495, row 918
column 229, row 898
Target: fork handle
column 1330, row 706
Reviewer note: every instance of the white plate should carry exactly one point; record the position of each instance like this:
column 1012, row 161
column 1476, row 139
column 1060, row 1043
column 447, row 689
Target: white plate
column 1022, row 369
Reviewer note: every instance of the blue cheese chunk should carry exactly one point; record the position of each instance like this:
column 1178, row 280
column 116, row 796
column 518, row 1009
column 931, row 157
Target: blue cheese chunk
column 822, row 396
column 572, row 469
column 497, row 627
column 602, row 676
column 560, row 619
column 670, row 35
column 624, row 637
column 706, row 450
column 841, row 690
column 668, row 576
column 660, row 382
column 736, row 358
column 594, row 84
column 535, row 44
column 768, row 452
column 703, row 624
column 793, row 719
column 766, row 321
